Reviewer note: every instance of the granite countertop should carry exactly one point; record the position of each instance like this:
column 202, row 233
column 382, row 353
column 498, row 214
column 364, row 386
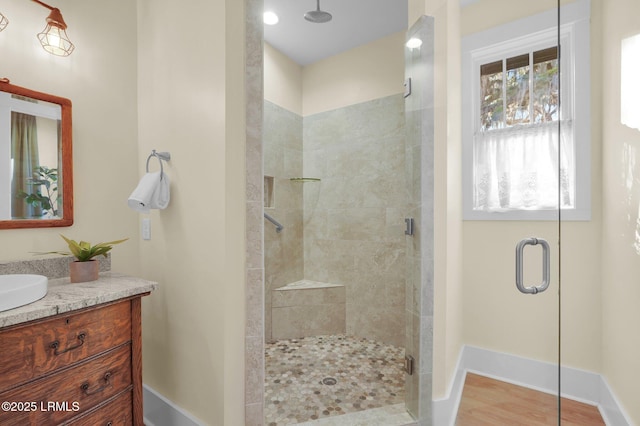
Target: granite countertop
column 63, row 296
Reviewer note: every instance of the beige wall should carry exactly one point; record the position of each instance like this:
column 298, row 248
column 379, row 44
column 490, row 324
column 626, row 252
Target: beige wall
column 362, row 74
column 481, row 311
column 485, row 14
column 282, row 80
column 103, row 93
column 194, row 324
column 621, row 245
column 495, row 314
column 452, row 216
column 193, row 328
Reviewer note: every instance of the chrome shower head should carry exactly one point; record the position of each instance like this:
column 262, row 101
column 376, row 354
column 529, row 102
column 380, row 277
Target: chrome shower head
column 318, row 16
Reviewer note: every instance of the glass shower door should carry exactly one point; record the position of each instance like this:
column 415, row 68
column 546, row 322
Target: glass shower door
column 600, row 253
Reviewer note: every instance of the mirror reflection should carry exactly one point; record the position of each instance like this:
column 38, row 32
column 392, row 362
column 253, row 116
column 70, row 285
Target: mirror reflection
column 35, row 154
column 30, row 146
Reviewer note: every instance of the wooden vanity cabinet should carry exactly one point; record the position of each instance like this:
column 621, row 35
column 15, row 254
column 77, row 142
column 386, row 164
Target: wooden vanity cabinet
column 80, row 368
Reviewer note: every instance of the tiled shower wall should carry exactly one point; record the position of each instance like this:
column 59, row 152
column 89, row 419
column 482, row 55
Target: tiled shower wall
column 353, row 228
column 354, row 218
column 254, row 247
column 284, row 254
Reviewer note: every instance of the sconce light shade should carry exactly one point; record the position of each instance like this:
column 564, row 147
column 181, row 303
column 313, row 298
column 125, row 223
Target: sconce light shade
column 54, row 37
column 3, row 22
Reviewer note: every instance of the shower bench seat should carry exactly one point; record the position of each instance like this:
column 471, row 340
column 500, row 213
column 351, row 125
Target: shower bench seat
column 308, row 308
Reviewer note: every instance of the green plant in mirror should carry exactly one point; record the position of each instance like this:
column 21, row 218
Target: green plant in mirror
column 46, row 177
column 83, row 251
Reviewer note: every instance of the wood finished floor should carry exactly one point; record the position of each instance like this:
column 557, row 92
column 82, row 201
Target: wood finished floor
column 489, row 402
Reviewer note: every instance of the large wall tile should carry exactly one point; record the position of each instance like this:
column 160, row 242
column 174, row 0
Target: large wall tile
column 354, row 218
column 284, row 251
column 346, row 229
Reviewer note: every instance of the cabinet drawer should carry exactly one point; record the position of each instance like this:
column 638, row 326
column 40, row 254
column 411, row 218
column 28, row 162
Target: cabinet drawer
column 70, row 392
column 114, row 413
column 32, row 350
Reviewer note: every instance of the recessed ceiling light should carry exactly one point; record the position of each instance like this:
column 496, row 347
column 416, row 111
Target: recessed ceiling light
column 414, row 43
column 270, row 18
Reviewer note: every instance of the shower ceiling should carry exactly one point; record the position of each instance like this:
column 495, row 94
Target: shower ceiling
column 354, row 23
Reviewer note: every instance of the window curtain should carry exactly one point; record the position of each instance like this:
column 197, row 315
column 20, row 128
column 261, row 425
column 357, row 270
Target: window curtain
column 24, row 153
column 517, row 168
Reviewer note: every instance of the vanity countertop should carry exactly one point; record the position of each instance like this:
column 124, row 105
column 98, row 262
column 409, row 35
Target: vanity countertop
column 64, row 296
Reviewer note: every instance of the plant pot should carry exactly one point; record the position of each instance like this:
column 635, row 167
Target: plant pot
column 80, row 272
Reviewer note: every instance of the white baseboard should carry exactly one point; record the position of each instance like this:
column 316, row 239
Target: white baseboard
column 579, row 385
column 444, row 410
column 612, row 412
column 160, row 411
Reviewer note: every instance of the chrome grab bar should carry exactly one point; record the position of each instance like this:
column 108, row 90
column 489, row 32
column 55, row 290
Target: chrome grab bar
column 546, row 271
column 277, row 224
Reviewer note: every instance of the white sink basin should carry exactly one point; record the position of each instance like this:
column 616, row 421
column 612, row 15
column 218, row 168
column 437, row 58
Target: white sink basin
column 21, row 289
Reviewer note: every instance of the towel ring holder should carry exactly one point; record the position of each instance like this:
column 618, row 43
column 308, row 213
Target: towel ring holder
column 160, row 156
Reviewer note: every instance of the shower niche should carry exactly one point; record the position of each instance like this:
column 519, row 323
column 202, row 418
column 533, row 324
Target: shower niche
column 268, row 192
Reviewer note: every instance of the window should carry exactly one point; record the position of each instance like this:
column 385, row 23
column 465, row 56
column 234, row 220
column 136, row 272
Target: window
column 518, row 92
column 512, row 92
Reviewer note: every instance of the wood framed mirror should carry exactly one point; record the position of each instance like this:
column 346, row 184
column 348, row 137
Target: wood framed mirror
column 36, row 167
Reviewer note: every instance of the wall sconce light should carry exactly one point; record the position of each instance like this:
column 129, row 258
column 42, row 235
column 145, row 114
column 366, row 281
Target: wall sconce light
column 3, row 22
column 54, row 37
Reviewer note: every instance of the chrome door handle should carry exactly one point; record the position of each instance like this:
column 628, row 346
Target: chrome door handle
column 546, row 271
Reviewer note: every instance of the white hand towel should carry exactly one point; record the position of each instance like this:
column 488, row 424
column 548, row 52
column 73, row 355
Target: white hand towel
column 141, row 198
column 161, row 196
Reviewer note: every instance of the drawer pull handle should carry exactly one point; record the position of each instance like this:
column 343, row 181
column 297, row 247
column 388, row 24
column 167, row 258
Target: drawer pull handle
column 85, row 385
column 56, row 345
column 109, row 424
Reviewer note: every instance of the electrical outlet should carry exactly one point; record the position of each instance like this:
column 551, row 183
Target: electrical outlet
column 146, row 229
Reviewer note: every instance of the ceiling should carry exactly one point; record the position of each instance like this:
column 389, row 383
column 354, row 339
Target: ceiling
column 354, row 23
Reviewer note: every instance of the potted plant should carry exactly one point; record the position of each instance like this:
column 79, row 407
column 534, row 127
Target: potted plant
column 85, row 267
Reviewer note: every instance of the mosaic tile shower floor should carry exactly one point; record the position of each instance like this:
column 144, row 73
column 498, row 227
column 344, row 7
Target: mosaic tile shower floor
column 326, row 376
